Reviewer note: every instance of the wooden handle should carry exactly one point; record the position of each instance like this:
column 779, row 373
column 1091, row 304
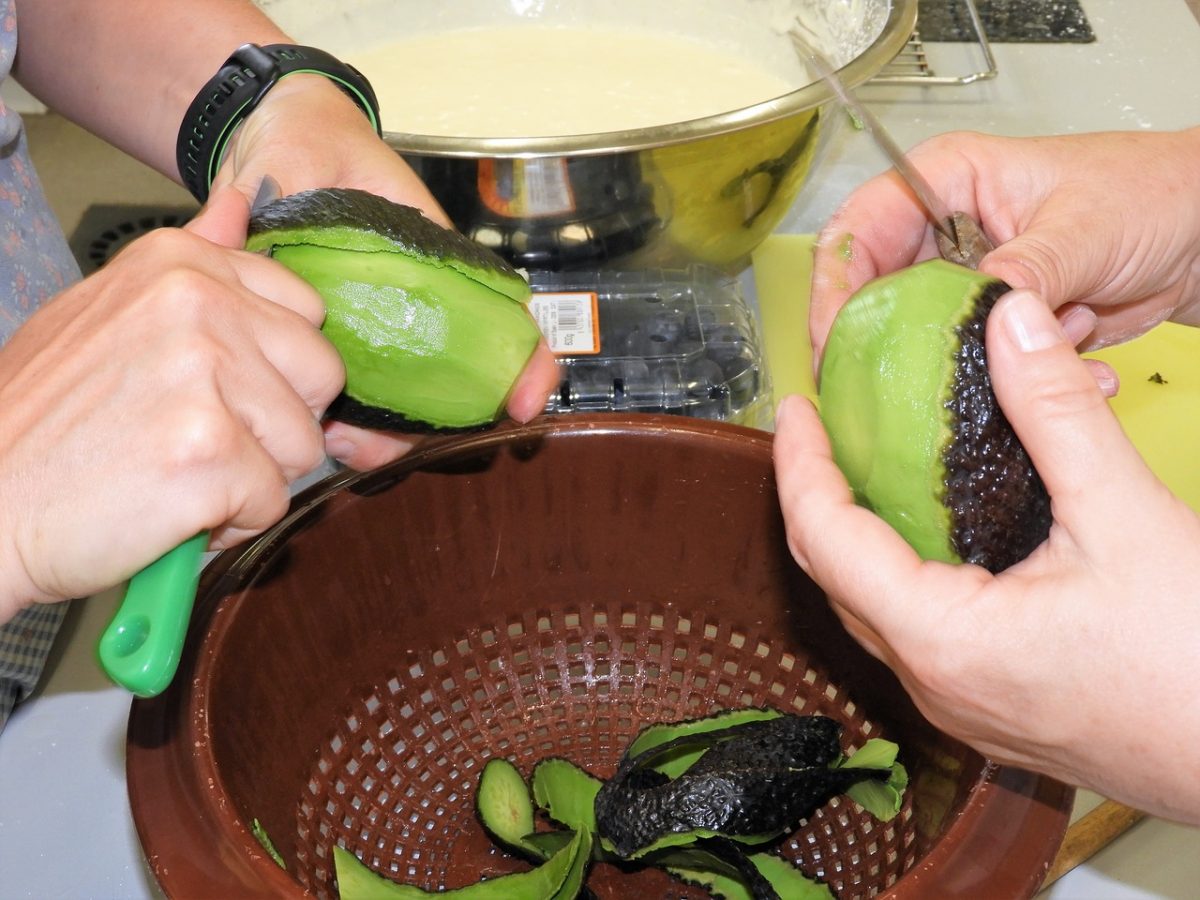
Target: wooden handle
column 1089, row 835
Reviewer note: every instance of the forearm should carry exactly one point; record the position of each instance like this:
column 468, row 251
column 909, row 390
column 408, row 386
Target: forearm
column 128, row 70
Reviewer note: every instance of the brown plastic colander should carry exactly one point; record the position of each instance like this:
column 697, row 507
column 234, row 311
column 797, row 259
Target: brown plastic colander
column 530, row 592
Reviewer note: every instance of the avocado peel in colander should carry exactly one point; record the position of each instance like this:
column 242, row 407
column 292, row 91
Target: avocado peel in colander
column 780, row 767
column 753, row 783
column 560, row 878
column 914, row 424
column 432, row 327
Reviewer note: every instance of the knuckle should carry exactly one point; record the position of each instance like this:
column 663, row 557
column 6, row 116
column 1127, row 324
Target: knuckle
column 312, row 453
column 1066, row 399
column 264, row 501
column 275, row 501
column 200, row 435
column 189, row 295
column 1036, row 266
column 195, row 356
column 949, row 145
column 165, row 249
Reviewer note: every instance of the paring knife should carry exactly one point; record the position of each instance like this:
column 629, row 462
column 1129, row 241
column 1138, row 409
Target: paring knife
column 959, row 237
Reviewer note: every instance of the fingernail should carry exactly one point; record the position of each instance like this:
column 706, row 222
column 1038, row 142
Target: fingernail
column 1029, row 322
column 339, row 446
column 781, row 410
column 1108, row 383
column 1105, row 377
column 523, row 409
column 1078, row 321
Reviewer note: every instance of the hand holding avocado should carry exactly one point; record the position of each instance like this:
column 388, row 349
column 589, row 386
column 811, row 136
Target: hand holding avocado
column 134, row 408
column 111, row 453
column 277, row 141
column 1108, row 221
column 1073, row 660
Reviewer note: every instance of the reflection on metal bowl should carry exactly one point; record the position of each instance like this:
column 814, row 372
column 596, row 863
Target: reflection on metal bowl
column 709, row 200
column 707, row 190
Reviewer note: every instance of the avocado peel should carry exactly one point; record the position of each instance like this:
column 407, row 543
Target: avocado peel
column 359, row 221
column 749, row 749
column 559, row 878
column 754, row 781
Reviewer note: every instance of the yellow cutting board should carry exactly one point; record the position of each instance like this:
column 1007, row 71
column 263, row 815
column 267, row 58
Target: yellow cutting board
column 1158, row 404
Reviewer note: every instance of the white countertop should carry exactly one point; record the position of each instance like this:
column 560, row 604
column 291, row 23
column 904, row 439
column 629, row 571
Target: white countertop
column 65, row 829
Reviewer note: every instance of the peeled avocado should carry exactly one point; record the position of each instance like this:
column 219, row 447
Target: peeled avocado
column 915, row 427
column 432, row 327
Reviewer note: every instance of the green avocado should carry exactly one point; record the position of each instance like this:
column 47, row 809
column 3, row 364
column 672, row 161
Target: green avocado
column 915, row 427
column 433, row 328
column 503, row 804
column 755, row 877
column 559, row 878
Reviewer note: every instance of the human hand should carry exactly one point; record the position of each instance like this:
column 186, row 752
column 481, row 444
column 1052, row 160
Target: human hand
column 178, row 389
column 1107, row 221
column 1078, row 662
column 308, row 134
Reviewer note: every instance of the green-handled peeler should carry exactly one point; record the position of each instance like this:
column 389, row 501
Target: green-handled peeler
column 141, row 647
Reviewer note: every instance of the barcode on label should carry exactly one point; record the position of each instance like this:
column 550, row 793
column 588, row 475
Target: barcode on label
column 569, row 321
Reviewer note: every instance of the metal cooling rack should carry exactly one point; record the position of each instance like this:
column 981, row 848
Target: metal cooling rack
column 911, row 65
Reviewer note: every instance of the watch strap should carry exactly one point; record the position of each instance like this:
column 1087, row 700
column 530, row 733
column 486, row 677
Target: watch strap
column 238, row 88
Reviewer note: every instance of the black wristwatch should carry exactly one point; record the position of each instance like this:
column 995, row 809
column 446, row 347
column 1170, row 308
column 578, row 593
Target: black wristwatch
column 238, row 87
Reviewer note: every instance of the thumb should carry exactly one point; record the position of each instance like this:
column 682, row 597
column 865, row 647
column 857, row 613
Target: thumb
column 223, row 219
column 1049, row 259
column 1050, row 397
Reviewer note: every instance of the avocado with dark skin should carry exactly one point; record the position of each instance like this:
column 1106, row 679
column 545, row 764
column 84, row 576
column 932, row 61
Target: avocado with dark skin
column 432, row 327
column 754, row 782
column 914, row 424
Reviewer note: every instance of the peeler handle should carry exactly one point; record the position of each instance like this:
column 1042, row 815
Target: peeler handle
column 141, row 648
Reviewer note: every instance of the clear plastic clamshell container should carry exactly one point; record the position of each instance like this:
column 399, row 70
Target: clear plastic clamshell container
column 671, row 341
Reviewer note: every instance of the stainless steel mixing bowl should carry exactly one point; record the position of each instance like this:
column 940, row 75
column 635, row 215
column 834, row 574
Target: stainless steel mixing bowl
column 707, row 190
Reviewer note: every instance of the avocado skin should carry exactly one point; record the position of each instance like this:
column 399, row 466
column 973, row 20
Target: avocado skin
column 999, row 507
column 744, row 802
column 757, row 778
column 345, row 408
column 406, row 227
column 789, row 742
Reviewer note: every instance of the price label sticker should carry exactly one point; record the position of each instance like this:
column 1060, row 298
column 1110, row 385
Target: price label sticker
column 570, row 321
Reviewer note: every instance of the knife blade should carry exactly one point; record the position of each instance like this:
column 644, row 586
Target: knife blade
column 960, row 239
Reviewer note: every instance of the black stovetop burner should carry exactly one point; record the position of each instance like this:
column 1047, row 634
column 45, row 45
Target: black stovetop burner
column 1006, row 21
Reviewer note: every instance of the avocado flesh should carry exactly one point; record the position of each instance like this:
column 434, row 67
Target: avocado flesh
column 914, row 424
column 432, row 328
column 503, row 803
column 418, row 340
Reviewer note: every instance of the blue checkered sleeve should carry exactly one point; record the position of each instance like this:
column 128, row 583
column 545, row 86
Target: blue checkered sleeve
column 25, row 643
